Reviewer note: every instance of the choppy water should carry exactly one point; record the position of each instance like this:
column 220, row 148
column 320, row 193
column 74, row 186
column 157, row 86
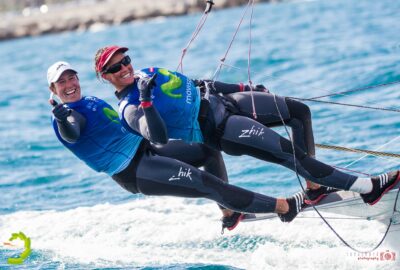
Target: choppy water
column 78, row 219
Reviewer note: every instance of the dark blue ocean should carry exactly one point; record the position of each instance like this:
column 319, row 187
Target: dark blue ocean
column 79, row 219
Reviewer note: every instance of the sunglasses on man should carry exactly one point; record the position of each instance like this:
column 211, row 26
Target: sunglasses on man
column 117, row 66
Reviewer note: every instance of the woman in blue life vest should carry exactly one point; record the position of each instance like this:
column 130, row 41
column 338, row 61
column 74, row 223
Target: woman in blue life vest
column 160, row 104
column 90, row 129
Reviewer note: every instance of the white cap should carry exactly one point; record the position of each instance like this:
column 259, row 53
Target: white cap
column 56, row 70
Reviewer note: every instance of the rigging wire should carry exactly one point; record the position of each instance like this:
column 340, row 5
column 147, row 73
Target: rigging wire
column 315, row 99
column 222, row 60
column 357, row 150
column 317, row 211
column 216, row 74
column 380, row 147
column 347, row 104
column 253, row 105
column 293, row 149
column 202, row 21
column 357, row 89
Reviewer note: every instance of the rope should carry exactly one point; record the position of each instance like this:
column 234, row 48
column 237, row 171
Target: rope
column 341, row 148
column 348, row 170
column 357, row 89
column 222, row 60
column 253, row 105
column 314, row 99
column 356, row 150
column 196, row 32
column 316, row 210
column 380, row 147
column 347, row 104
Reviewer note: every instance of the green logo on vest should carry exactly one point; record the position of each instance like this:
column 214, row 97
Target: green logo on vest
column 111, row 114
column 174, row 82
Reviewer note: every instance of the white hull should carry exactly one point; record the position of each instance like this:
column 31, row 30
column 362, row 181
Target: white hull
column 350, row 204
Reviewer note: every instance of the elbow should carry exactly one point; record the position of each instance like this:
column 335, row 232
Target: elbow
column 73, row 137
column 161, row 139
column 164, row 140
column 71, row 141
column 157, row 132
column 69, row 135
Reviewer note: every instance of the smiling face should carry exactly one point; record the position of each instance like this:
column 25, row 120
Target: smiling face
column 67, row 87
column 123, row 77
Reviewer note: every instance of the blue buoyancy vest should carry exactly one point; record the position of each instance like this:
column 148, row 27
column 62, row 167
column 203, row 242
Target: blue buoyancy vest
column 104, row 145
column 176, row 99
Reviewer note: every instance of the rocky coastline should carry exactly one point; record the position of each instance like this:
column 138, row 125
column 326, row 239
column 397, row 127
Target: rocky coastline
column 91, row 15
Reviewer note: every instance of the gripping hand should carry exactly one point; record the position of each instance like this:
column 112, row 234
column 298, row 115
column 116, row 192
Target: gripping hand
column 258, row 88
column 145, row 86
column 61, row 112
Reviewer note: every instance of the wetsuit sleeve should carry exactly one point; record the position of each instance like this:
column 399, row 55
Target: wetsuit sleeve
column 70, row 129
column 221, row 87
column 146, row 121
column 228, row 88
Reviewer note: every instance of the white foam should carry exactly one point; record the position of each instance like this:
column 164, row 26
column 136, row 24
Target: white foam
column 165, row 231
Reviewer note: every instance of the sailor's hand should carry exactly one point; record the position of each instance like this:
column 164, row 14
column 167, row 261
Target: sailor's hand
column 204, row 85
column 258, row 88
column 53, row 102
column 61, row 112
column 199, row 83
column 145, row 86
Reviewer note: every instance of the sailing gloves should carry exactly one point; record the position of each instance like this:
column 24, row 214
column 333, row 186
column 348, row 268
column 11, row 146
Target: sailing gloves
column 61, row 112
column 257, row 88
column 145, row 86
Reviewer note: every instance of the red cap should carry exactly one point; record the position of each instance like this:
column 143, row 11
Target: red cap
column 106, row 56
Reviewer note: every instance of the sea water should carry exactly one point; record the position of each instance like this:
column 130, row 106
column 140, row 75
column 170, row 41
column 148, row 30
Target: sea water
column 79, row 219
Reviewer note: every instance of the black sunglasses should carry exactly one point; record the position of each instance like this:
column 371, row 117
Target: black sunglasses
column 117, row 66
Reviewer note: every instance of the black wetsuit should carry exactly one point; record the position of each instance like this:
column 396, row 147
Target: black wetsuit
column 151, row 172
column 236, row 132
column 228, row 126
